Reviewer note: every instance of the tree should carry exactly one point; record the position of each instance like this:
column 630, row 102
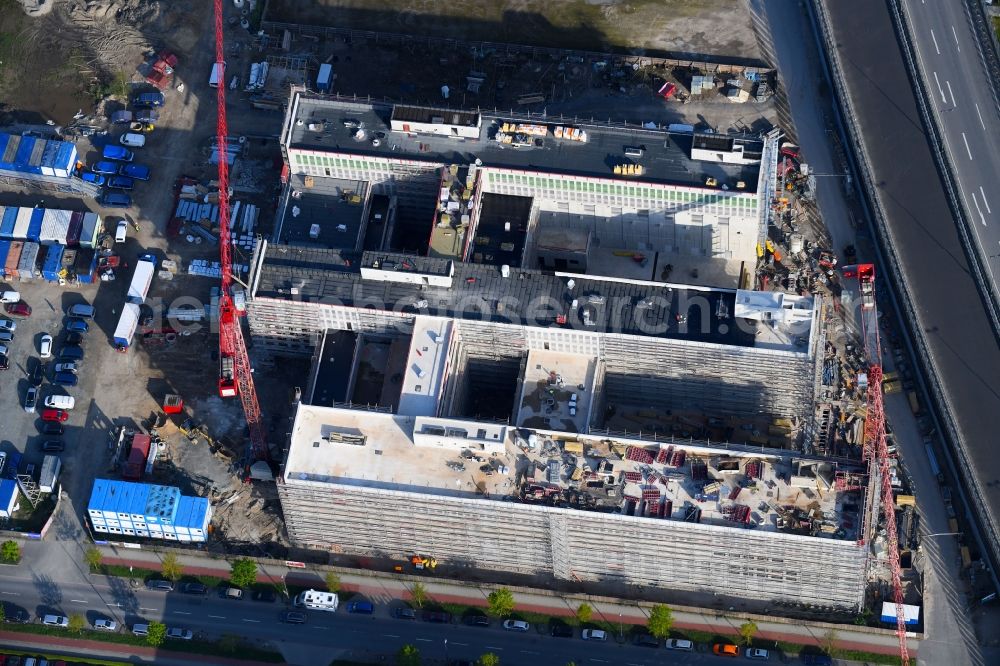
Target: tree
column 501, row 602
column 10, row 552
column 418, row 593
column 76, row 623
column 93, row 557
column 332, row 581
column 661, row 621
column 408, row 655
column 584, row 612
column 171, row 568
column 156, row 634
column 828, row 642
column 747, row 631
column 243, row 572
column 488, row 659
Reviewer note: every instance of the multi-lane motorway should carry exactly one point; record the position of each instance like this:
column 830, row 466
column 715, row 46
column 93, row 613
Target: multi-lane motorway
column 951, row 62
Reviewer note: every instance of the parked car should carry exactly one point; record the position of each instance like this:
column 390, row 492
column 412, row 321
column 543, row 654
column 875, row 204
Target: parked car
column 38, row 373
column 437, row 617
column 3, row 350
column 115, row 200
column 194, row 588
column 53, row 446
column 117, row 153
column 267, row 596
column 516, row 625
column 121, row 231
column 73, row 338
column 758, row 654
column 91, row 177
column 726, row 650
column 55, row 620
column 78, row 325
column 105, row 624
column 132, row 140
column 560, row 630
column 81, row 310
column 4, row 362
column 30, row 399
column 133, row 170
column 121, row 183
column 55, row 415
column 148, row 100
column 362, row 607
column 106, row 167
column 477, row 620
column 52, row 428
column 15, row 614
column 65, row 402
column 294, row 617
column 8, row 325
column 45, row 346
column 68, row 366
column 19, row 309
column 678, row 644
column 159, row 585
column 6, row 336
column 233, row 593
column 71, row 352
column 65, row 379
column 140, row 629
column 180, row 632
column 404, row 613
column 594, row 635
column 10, row 297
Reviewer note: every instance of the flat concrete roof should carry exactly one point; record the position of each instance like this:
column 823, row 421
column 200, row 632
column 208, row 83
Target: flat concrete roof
column 557, row 391
column 666, row 156
column 339, row 223
column 738, row 486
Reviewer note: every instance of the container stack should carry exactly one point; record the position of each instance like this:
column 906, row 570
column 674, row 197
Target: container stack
column 28, row 155
column 35, row 224
column 13, row 259
column 52, row 263
column 7, row 221
column 75, row 227
column 23, row 222
column 55, row 226
column 90, row 229
column 27, row 266
column 86, row 266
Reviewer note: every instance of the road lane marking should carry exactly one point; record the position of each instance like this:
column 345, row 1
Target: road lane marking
column 246, row 619
column 979, row 113
column 966, row 145
column 940, row 89
column 13, row 594
column 600, row 661
column 957, row 45
column 182, row 613
column 115, row 605
column 953, row 103
column 493, row 647
column 79, row 601
column 390, row 636
column 985, row 202
column 976, row 201
column 153, row 610
column 934, row 39
column 462, row 644
column 218, row 617
column 529, row 652
column 423, row 640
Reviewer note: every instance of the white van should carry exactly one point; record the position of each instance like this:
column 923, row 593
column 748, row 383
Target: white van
column 316, row 600
column 60, row 402
column 217, row 76
column 133, row 140
column 593, row 635
column 10, row 297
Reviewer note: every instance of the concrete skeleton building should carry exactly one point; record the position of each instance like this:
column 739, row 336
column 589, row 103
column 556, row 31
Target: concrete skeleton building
column 480, row 403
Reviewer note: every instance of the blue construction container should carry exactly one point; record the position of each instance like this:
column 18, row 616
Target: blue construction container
column 4, row 251
column 52, row 264
column 24, row 153
column 49, row 157
column 7, row 223
column 35, row 226
column 85, row 266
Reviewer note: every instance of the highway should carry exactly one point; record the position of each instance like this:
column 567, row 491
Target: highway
column 326, row 635
column 950, row 315
column 951, row 61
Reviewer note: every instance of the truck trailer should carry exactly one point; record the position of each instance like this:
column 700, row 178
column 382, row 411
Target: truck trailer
column 136, row 463
column 141, row 279
column 126, row 327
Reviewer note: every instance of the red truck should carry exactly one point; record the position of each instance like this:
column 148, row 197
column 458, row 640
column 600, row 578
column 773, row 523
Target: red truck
column 137, row 456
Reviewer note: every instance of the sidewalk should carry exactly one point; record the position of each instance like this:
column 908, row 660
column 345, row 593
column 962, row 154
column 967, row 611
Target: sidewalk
column 383, row 588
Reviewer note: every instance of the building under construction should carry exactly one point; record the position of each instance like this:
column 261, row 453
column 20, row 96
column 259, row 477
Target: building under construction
column 528, row 358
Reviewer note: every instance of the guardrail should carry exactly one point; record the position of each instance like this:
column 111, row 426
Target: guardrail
column 900, row 295
column 987, row 44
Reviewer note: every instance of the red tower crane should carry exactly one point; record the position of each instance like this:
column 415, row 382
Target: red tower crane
column 875, row 449
column 235, row 374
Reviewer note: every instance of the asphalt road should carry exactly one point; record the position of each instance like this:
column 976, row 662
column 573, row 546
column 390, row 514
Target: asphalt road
column 211, row 616
column 950, row 314
column 949, row 57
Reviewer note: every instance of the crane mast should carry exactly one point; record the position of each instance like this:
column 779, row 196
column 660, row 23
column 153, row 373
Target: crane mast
column 875, row 450
column 235, row 373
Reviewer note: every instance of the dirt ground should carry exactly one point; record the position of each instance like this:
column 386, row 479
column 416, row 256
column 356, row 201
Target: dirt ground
column 707, row 27
column 65, row 61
